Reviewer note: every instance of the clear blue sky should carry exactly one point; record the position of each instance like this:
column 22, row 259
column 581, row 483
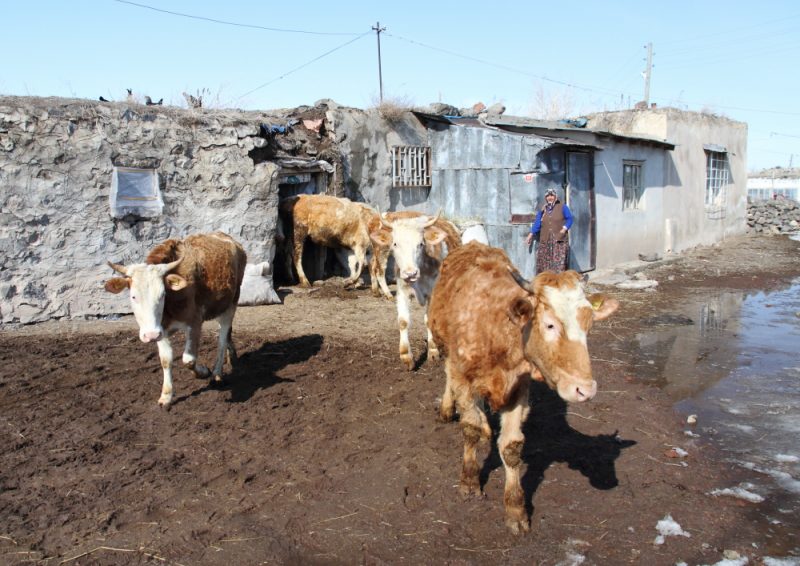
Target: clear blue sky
column 738, row 59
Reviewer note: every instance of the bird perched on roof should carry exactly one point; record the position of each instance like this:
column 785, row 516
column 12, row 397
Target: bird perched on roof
column 193, row 101
column 149, row 101
column 104, row 99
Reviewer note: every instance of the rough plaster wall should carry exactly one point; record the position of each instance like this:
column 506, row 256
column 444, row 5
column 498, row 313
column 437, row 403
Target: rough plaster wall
column 56, row 160
column 366, row 139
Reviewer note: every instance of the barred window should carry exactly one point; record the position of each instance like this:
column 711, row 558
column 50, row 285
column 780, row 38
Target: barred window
column 411, row 166
column 632, row 186
column 716, row 178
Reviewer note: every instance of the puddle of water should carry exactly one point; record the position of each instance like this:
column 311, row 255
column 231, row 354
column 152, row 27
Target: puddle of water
column 734, row 361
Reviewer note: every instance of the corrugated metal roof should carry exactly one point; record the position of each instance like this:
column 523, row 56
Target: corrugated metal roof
column 474, row 122
column 521, row 122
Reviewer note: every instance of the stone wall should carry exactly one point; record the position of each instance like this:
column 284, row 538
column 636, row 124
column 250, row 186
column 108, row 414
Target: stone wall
column 780, row 216
column 56, row 163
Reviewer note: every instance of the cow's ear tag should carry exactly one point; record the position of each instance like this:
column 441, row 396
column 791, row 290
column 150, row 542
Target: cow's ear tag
column 520, row 311
column 175, row 282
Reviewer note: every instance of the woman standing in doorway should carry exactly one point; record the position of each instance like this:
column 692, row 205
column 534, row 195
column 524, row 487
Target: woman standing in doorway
column 552, row 223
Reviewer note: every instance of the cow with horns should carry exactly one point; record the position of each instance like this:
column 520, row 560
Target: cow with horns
column 498, row 331
column 181, row 284
column 415, row 242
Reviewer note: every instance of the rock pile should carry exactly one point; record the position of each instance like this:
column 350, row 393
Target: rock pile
column 779, row 216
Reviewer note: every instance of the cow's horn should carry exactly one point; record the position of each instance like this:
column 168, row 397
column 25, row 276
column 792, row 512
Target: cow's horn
column 118, row 268
column 383, row 221
column 167, row 267
column 521, row 281
column 433, row 220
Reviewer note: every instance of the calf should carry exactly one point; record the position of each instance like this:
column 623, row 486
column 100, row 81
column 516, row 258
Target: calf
column 496, row 332
column 382, row 251
column 181, row 284
column 328, row 221
column 415, row 243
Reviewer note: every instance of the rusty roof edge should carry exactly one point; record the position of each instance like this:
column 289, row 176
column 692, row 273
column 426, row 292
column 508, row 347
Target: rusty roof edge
column 531, row 125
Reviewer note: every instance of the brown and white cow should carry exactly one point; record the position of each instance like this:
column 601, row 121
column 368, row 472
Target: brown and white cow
column 329, row 221
column 497, row 332
column 381, row 250
column 181, row 284
column 416, row 245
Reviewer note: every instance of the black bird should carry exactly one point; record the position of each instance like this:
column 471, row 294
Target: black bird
column 104, row 99
column 149, row 101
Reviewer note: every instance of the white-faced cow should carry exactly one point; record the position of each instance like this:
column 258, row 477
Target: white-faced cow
column 382, row 247
column 416, row 246
column 181, row 284
column 328, row 221
column 497, row 332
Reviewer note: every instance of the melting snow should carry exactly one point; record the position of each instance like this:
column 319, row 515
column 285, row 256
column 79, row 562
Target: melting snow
column 668, row 527
column 739, row 493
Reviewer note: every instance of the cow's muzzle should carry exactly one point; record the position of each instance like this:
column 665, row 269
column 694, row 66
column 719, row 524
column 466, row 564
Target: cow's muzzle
column 151, row 336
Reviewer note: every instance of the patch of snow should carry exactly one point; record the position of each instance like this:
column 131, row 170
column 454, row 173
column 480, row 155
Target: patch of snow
column 788, row 561
column 731, row 562
column 691, row 434
column 644, row 284
column 739, row 493
column 668, row 527
column 786, row 458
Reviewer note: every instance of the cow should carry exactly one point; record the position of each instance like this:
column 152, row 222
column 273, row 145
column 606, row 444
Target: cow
column 328, row 221
column 416, row 245
column 381, row 251
column 181, row 284
column 496, row 332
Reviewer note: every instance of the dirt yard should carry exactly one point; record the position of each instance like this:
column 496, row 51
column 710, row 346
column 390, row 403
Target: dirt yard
column 322, row 449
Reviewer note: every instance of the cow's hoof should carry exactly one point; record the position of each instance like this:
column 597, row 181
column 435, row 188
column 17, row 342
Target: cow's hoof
column 517, row 525
column 433, row 354
column 217, row 380
column 470, row 489
column 408, row 361
column 201, row 372
column 446, row 415
column 164, row 402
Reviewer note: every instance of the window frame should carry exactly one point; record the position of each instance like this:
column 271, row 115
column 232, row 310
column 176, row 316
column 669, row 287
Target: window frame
column 635, row 201
column 411, row 166
column 717, row 179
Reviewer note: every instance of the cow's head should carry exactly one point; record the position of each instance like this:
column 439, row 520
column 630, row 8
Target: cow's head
column 555, row 318
column 408, row 239
column 148, row 285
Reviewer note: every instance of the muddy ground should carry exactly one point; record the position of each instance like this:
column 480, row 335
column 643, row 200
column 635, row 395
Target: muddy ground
column 322, row 449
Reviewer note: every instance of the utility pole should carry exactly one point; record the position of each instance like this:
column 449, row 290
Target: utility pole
column 378, row 29
column 647, row 72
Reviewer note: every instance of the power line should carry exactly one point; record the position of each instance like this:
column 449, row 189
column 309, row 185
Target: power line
column 598, row 90
column 287, row 73
column 223, row 22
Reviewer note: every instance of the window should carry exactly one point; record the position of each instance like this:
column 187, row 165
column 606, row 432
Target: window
column 632, row 187
column 716, row 179
column 135, row 192
column 411, row 166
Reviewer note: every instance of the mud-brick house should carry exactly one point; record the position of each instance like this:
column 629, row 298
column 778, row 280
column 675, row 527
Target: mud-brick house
column 643, row 182
column 83, row 182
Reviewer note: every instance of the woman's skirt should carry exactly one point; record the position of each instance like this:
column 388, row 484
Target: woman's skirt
column 552, row 256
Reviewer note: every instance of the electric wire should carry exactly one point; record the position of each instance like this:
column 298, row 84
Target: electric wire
column 227, row 23
column 287, row 73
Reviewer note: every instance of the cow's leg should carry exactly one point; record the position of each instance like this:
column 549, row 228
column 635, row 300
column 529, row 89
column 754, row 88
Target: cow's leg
column 380, row 257
column 193, row 332
column 165, row 355
column 433, row 351
column 474, row 427
column 355, row 274
column 447, row 409
column 299, row 234
column 509, row 446
column 403, row 321
column 225, row 325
